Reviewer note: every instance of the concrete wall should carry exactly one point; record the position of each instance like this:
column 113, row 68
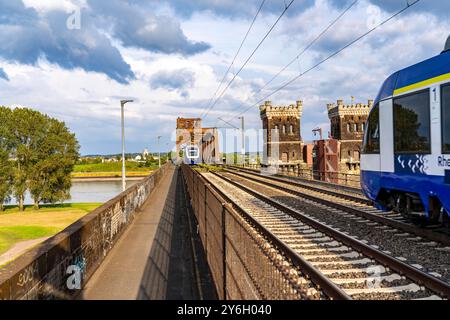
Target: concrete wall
column 43, row 272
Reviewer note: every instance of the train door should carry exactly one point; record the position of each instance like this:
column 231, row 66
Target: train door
column 387, row 167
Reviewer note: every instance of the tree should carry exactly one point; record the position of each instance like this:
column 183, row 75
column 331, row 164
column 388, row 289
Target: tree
column 49, row 179
column 5, row 179
column 5, row 163
column 27, row 133
column 37, row 153
column 43, row 153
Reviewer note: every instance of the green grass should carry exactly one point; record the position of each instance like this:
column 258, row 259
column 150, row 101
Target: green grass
column 113, row 167
column 31, row 224
column 86, row 207
column 208, row 167
column 12, row 235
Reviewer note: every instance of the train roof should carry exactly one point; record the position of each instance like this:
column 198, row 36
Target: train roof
column 419, row 75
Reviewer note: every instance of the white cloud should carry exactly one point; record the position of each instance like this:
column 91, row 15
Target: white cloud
column 49, row 5
column 88, row 102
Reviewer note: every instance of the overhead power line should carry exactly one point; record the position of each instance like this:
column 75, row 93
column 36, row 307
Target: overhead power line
column 237, row 53
column 205, row 114
column 409, row 5
column 301, row 53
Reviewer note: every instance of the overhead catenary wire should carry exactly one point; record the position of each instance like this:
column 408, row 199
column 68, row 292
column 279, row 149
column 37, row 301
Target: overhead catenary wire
column 205, row 114
column 237, row 53
column 409, row 5
column 296, row 58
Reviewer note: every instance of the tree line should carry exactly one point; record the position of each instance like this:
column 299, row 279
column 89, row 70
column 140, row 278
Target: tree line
column 37, row 154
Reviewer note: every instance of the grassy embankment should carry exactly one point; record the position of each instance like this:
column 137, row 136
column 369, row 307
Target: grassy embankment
column 112, row 169
column 32, row 224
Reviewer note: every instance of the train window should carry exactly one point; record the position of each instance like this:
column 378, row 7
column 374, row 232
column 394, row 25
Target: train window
column 445, row 102
column 372, row 134
column 412, row 123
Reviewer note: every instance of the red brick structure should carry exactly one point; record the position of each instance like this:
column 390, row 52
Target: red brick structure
column 190, row 132
column 326, row 161
column 347, row 126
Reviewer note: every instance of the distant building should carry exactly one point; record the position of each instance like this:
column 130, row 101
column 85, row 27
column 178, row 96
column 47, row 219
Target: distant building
column 190, row 132
column 145, row 154
column 283, row 144
column 347, row 127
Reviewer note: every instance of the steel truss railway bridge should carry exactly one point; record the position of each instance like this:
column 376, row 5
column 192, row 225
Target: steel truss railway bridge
column 232, row 233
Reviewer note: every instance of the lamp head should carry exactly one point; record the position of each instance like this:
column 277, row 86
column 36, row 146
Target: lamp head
column 123, row 102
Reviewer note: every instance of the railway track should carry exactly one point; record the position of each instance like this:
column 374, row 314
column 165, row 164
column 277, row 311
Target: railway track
column 420, row 252
column 351, row 202
column 312, row 184
column 359, row 270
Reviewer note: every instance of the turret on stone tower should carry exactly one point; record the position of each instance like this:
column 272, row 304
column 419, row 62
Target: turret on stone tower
column 283, row 121
column 347, row 126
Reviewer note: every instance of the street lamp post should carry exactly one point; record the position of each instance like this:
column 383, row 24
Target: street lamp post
column 168, row 152
column 159, row 152
column 122, row 105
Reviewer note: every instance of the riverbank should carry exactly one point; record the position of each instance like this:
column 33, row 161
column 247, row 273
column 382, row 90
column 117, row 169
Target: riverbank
column 105, row 178
column 110, row 175
column 23, row 230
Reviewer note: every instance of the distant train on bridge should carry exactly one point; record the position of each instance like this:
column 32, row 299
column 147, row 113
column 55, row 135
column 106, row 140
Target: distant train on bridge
column 405, row 163
column 192, row 155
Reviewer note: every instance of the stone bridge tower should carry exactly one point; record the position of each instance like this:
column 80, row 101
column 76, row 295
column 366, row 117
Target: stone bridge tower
column 190, row 132
column 284, row 122
column 347, row 126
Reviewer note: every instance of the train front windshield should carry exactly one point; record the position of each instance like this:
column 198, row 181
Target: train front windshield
column 371, row 144
column 193, row 153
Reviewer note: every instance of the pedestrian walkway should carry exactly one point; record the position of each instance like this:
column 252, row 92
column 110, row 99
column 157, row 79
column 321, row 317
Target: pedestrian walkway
column 153, row 259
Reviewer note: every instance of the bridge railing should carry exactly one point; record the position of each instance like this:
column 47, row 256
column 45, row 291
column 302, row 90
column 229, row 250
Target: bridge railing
column 243, row 263
column 60, row 266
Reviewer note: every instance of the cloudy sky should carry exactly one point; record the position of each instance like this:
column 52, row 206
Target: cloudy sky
column 75, row 59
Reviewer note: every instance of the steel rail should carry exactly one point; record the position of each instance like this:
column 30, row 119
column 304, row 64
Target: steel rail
column 329, row 288
column 438, row 286
column 308, row 186
column 300, row 179
column 409, row 228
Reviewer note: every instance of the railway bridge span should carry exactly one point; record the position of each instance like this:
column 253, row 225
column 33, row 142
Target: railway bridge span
column 233, row 234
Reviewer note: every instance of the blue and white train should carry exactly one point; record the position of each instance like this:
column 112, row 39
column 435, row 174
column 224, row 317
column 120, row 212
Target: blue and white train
column 405, row 162
column 192, row 155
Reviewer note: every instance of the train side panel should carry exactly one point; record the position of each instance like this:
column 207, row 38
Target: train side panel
column 427, row 175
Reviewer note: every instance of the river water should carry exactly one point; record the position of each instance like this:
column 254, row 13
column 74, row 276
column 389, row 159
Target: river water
column 91, row 191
